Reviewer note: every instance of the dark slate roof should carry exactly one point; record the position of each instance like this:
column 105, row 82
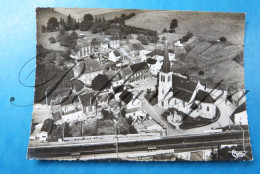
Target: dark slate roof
column 87, row 99
column 183, row 88
column 126, row 71
column 77, row 84
column 118, row 89
column 204, row 97
column 116, row 53
column 151, row 61
column 182, row 94
column 87, row 66
column 139, row 67
column 241, row 108
column 135, row 46
column 68, row 100
column 166, row 67
column 114, row 38
column 83, row 43
column 158, row 52
column 126, row 96
column 46, row 127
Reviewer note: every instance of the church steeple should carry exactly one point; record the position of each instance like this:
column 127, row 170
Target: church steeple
column 166, row 61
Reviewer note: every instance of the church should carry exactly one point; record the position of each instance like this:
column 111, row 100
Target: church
column 178, row 92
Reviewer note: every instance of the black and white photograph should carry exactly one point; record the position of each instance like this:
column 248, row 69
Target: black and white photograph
column 139, row 85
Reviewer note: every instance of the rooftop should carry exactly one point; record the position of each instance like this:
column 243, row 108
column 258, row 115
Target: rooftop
column 46, row 127
column 87, row 99
column 87, row 66
column 126, row 96
column 204, row 97
column 139, row 67
column 77, row 84
column 182, row 87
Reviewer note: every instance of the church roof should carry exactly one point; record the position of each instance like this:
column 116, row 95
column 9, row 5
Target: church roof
column 166, row 67
column 204, row 97
column 182, row 87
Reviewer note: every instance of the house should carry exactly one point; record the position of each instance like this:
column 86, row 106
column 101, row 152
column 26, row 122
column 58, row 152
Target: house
column 114, row 42
column 133, row 106
column 203, row 105
column 154, row 66
column 139, row 71
column 87, row 70
column 158, row 54
column 114, row 56
column 126, row 74
column 239, row 117
column 43, row 135
column 70, row 109
column 179, row 92
column 114, row 77
column 148, row 126
column 134, row 49
column 84, row 49
column 89, row 106
column 103, row 46
column 178, row 44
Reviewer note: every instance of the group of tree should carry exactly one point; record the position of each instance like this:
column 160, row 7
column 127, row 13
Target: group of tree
column 53, row 24
column 173, row 26
column 186, row 37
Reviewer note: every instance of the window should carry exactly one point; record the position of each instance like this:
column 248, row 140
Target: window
column 162, row 103
column 162, row 78
column 207, row 108
column 169, row 78
column 183, row 104
column 162, row 91
column 200, row 107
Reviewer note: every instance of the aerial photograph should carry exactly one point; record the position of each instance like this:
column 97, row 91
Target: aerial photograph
column 139, row 85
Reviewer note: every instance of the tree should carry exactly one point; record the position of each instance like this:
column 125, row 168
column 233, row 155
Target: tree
column 164, row 30
column 62, row 23
column 174, row 24
column 85, row 25
column 103, row 19
column 163, row 38
column 223, row 39
column 43, row 29
column 88, row 17
column 69, row 23
column 100, row 82
column 52, row 24
column 52, row 40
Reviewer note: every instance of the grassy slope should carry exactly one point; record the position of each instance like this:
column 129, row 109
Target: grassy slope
column 206, row 25
column 78, row 13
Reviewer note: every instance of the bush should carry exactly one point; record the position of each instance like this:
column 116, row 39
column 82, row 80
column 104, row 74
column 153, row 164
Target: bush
column 223, row 39
column 165, row 30
column 52, row 40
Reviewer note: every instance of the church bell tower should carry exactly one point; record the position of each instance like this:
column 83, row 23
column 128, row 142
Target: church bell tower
column 165, row 80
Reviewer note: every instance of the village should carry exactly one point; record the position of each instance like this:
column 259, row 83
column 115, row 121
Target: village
column 124, row 105
column 126, row 88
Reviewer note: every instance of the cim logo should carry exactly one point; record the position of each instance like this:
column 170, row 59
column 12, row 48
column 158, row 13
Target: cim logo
column 238, row 154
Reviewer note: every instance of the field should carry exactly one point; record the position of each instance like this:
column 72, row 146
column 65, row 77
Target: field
column 207, row 25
